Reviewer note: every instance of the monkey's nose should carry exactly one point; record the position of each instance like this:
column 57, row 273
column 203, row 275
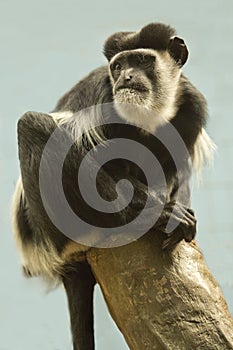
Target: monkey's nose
column 128, row 75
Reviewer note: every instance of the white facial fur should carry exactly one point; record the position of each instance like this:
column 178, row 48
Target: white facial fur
column 157, row 107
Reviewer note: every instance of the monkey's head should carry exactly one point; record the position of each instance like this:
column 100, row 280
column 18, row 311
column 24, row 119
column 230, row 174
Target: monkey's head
column 145, row 80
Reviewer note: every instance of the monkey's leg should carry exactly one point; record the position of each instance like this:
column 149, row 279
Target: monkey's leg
column 79, row 284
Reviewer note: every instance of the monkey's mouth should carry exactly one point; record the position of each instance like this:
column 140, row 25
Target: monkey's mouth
column 132, row 89
column 131, row 95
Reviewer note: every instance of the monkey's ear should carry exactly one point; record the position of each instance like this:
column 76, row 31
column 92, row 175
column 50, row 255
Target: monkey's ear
column 178, row 50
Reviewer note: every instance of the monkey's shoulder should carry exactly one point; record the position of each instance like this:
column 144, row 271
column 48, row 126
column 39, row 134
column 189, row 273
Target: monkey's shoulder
column 94, row 88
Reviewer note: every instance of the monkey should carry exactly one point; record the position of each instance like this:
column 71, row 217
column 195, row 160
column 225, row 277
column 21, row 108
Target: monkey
column 144, row 70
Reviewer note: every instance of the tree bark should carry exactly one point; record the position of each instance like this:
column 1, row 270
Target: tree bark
column 163, row 300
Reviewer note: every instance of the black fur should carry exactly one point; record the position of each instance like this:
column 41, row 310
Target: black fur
column 153, row 36
column 34, row 130
column 94, row 89
column 79, row 285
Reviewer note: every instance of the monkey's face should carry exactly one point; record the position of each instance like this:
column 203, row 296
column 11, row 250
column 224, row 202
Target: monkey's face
column 145, row 85
column 132, row 76
column 130, row 73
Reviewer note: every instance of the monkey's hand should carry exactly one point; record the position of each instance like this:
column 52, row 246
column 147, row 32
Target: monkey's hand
column 182, row 217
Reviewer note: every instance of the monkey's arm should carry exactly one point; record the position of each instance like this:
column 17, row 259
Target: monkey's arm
column 175, row 212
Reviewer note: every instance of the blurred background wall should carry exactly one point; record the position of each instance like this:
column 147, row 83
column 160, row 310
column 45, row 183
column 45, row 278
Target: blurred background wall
column 45, row 47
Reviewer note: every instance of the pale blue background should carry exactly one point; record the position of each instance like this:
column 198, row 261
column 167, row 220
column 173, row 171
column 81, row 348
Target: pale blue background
column 45, row 47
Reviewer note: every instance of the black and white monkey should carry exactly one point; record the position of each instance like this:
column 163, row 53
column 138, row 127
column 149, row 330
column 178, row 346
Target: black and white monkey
column 144, row 70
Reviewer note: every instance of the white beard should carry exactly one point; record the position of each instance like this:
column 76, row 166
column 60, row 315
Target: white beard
column 136, row 109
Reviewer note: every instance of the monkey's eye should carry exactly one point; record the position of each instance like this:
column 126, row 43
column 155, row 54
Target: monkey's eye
column 147, row 60
column 117, row 66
